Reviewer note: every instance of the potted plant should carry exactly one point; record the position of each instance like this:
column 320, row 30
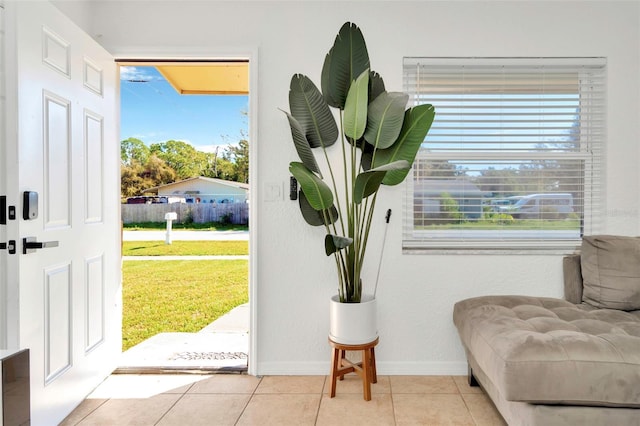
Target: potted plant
column 377, row 142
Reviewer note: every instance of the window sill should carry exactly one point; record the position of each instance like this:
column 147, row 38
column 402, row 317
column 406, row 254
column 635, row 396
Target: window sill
column 550, row 248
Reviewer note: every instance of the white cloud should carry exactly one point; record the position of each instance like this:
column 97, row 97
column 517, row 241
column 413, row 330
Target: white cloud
column 136, row 74
column 211, row 148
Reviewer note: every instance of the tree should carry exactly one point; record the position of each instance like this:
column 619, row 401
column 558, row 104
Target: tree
column 501, row 182
column 165, row 162
column 131, row 179
column 218, row 167
column 181, row 157
column 157, row 172
column 136, row 178
column 133, row 149
column 239, row 156
column 449, row 208
column 426, row 168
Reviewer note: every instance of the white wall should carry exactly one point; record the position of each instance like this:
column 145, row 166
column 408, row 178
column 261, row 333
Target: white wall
column 417, row 292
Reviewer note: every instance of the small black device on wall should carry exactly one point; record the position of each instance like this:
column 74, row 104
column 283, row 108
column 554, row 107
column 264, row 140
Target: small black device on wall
column 293, row 188
column 29, row 205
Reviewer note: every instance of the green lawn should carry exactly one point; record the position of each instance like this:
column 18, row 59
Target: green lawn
column 178, row 296
column 184, row 248
column 517, row 225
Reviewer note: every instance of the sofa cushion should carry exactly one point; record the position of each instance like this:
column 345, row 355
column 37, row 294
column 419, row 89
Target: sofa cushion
column 550, row 351
column 611, row 272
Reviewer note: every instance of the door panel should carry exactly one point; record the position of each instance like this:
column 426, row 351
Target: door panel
column 57, row 321
column 94, row 321
column 93, row 166
column 57, row 164
column 64, row 135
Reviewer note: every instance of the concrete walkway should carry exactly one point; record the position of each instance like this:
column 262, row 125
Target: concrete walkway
column 223, row 345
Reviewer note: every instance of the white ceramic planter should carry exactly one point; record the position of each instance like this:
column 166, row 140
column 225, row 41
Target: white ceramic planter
column 353, row 323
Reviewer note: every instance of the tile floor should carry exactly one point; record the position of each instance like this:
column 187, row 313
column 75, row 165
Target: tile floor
column 234, row 399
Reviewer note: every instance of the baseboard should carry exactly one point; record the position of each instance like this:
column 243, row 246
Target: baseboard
column 383, row 368
column 422, row 368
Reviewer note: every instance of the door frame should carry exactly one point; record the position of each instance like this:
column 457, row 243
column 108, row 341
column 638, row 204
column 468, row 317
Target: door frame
column 213, row 55
column 5, row 164
column 9, row 184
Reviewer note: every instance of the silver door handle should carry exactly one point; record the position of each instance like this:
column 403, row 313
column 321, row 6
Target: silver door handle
column 30, row 245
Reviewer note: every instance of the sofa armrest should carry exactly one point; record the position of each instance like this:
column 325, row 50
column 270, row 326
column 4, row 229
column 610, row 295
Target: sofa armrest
column 572, row 278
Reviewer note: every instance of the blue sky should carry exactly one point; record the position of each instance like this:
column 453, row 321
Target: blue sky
column 153, row 111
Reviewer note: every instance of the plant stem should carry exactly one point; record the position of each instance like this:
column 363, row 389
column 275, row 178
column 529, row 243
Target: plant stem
column 338, row 256
column 335, row 188
column 356, row 251
column 368, row 226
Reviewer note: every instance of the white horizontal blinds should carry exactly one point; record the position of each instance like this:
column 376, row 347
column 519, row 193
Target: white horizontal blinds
column 513, row 155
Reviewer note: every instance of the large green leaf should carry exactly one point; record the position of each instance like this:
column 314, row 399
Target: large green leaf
column 312, row 112
column 355, row 107
column 314, row 217
column 367, row 156
column 376, row 85
column 417, row 122
column 384, row 120
column 368, row 182
column 318, row 193
column 346, row 60
column 333, row 243
column 302, row 145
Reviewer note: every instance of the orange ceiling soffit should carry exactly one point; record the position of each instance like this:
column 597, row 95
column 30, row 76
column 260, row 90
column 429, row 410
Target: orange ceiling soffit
column 221, row 78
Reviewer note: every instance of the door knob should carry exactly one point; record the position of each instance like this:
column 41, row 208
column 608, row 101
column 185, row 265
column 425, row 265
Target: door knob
column 30, row 245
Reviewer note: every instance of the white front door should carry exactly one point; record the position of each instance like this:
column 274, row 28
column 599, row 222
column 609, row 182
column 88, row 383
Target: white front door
column 62, row 125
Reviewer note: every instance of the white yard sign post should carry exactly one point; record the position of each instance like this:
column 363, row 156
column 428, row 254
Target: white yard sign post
column 169, row 217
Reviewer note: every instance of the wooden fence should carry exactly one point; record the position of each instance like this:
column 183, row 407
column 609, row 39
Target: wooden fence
column 236, row 213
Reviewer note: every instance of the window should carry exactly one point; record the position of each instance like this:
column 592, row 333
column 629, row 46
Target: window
column 513, row 160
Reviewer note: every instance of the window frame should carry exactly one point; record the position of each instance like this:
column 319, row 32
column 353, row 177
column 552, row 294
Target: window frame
column 590, row 154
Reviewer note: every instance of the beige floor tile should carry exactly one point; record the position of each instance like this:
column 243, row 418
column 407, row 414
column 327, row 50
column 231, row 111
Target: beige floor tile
column 84, row 409
column 483, row 411
column 352, row 383
column 226, row 383
column 352, row 410
column 431, row 409
column 138, row 411
column 423, row 384
column 144, row 385
column 281, row 410
column 463, row 385
column 206, row 410
column 291, row 384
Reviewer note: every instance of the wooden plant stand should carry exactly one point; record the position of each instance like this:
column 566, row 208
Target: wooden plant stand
column 365, row 369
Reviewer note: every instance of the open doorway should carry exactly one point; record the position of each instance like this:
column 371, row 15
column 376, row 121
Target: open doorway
column 184, row 133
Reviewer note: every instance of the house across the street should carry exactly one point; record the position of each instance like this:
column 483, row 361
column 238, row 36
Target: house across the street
column 203, row 190
column 429, row 194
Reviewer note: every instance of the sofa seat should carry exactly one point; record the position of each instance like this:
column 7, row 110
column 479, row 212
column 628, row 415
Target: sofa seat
column 550, row 351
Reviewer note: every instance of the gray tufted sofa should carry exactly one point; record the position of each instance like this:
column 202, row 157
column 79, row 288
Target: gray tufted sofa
column 546, row 361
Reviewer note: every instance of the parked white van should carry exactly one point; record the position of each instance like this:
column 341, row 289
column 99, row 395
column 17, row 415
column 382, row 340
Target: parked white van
column 541, row 206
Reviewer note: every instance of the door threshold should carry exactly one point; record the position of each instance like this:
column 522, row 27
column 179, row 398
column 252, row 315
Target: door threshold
column 181, row 370
column 206, row 351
